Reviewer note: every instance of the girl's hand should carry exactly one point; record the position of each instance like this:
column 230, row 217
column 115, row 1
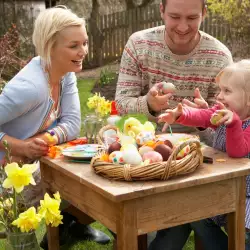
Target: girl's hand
column 227, row 115
column 199, row 101
column 34, row 148
column 170, row 116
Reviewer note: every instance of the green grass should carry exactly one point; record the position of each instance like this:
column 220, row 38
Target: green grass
column 84, row 87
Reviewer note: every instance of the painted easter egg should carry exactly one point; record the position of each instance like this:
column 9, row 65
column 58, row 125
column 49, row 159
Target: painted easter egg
column 132, row 157
column 183, row 152
column 216, row 117
column 116, row 157
column 164, row 150
column 145, row 149
column 168, row 87
column 115, row 146
column 152, row 156
column 144, row 137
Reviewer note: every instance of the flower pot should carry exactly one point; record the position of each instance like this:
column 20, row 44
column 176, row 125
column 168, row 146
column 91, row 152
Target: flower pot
column 21, row 241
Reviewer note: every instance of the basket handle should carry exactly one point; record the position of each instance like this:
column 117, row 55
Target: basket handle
column 175, row 153
column 183, row 145
column 99, row 136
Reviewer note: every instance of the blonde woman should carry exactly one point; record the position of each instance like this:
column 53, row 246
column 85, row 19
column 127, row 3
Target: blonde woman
column 43, row 98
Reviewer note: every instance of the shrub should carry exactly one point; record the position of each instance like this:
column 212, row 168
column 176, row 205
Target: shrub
column 10, row 63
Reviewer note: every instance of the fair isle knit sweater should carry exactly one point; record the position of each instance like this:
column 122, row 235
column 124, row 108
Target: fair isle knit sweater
column 147, row 60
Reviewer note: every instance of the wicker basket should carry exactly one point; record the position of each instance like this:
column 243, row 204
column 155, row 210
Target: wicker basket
column 159, row 170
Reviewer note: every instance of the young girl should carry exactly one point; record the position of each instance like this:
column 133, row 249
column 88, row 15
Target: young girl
column 230, row 118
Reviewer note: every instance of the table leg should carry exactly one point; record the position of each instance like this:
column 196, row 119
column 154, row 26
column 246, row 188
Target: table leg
column 53, row 238
column 127, row 227
column 236, row 220
column 197, row 243
column 143, row 242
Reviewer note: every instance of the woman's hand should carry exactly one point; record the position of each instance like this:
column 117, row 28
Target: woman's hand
column 225, row 115
column 34, row 148
column 170, row 116
column 199, row 101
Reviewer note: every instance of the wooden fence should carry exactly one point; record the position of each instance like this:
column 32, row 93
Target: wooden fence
column 117, row 27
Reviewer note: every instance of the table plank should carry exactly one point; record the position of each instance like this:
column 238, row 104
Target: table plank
column 121, row 191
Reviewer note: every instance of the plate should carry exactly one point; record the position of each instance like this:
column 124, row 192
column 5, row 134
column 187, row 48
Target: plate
column 82, row 152
column 176, row 138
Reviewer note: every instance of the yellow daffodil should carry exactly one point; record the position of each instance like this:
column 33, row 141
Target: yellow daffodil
column 19, row 177
column 28, row 220
column 100, row 104
column 49, row 210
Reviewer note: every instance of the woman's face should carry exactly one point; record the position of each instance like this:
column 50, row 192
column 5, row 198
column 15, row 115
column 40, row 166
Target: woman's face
column 70, row 49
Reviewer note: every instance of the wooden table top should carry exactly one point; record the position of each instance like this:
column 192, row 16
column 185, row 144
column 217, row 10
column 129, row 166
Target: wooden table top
column 120, row 190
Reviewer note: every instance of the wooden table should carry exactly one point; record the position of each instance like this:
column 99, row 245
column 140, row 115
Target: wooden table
column 136, row 208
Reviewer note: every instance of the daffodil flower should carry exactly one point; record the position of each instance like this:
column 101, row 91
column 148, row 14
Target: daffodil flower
column 49, row 210
column 19, row 177
column 100, row 104
column 28, row 220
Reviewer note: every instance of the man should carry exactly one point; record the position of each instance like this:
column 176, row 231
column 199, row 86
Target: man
column 176, row 52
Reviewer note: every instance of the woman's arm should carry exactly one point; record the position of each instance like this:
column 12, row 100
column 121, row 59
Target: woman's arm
column 32, row 148
column 237, row 139
column 18, row 98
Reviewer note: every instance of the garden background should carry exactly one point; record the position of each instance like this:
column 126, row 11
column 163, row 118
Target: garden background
column 109, row 24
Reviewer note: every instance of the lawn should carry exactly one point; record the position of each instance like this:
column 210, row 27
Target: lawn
column 84, row 87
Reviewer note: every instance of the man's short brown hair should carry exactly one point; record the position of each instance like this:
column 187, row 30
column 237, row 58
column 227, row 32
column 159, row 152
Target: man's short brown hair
column 164, row 3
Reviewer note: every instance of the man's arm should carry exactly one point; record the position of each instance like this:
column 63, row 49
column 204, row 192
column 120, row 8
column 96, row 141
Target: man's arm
column 129, row 86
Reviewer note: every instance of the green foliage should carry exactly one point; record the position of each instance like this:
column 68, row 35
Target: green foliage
column 235, row 12
column 106, row 76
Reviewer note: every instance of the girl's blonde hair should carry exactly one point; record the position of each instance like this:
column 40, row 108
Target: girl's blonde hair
column 240, row 70
column 47, row 25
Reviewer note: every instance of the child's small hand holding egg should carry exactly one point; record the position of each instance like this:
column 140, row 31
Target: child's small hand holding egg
column 216, row 117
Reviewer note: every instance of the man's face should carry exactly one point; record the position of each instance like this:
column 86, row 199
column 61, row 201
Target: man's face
column 182, row 20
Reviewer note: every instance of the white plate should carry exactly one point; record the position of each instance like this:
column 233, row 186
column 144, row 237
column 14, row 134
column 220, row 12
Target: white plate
column 82, row 152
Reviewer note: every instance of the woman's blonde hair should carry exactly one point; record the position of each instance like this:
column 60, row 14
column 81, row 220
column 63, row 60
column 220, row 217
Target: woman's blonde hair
column 240, row 71
column 46, row 27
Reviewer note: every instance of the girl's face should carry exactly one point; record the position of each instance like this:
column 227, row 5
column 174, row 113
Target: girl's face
column 70, row 49
column 233, row 96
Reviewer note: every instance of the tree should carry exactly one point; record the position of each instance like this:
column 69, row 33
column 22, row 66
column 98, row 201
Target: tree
column 236, row 13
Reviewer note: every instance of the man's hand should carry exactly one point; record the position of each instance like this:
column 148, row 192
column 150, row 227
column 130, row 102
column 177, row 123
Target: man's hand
column 199, row 101
column 158, row 97
column 170, row 116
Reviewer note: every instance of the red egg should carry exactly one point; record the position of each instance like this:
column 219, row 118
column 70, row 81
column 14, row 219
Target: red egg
column 115, row 146
column 164, row 150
